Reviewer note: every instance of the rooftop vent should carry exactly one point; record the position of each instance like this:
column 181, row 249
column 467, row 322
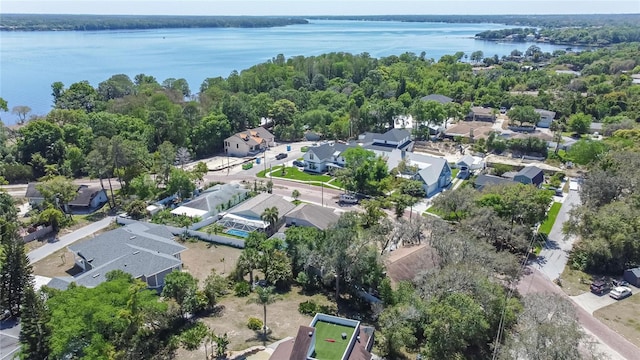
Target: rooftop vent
column 310, row 333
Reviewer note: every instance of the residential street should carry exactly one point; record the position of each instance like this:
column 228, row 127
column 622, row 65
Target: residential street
column 66, row 240
column 611, row 343
column 555, row 254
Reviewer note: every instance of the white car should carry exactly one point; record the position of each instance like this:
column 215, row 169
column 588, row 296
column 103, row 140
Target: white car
column 620, row 292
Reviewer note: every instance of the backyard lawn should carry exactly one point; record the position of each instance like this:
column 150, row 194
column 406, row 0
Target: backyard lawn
column 329, row 342
column 295, row 174
column 545, row 227
column 454, row 173
column 622, row 317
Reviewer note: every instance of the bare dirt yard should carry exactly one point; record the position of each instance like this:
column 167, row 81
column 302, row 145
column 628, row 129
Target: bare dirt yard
column 283, row 319
column 60, row 263
column 622, row 317
column 201, row 257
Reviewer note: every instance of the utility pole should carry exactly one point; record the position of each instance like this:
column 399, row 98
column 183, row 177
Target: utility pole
column 322, row 192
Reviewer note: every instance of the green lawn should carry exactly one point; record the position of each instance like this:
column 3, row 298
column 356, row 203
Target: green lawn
column 454, row 172
column 295, row 174
column 545, row 227
column 326, row 350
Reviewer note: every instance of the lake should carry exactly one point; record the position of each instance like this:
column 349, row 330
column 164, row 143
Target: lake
column 31, row 61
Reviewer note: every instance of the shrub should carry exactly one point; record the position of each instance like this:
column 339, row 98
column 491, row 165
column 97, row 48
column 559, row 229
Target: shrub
column 242, row 289
column 304, row 149
column 308, row 308
column 255, row 324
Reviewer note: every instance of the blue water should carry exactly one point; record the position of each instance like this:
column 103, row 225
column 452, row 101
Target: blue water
column 237, row 232
column 31, row 61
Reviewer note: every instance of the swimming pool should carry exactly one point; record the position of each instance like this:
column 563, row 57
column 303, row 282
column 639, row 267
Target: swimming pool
column 237, row 232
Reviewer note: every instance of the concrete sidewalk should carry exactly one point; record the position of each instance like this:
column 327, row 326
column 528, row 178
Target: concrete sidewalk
column 66, row 240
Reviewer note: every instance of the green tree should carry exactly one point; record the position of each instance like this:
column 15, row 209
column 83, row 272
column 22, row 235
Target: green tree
column 180, row 183
column 364, row 172
column 44, row 138
column 34, row 331
column 180, row 285
column 584, row 151
column 396, row 331
column 137, row 209
column 15, row 270
column 523, row 114
column 426, row 113
column 579, row 123
column 58, row 191
column 271, row 216
column 295, row 194
column 164, row 158
column 455, row 324
column 193, row 337
column 264, row 296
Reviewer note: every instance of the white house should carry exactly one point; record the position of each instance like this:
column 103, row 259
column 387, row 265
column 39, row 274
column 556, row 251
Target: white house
column 213, row 201
column 381, row 144
column 470, row 163
column 88, row 199
column 434, row 172
column 319, row 159
column 248, row 142
column 546, row 117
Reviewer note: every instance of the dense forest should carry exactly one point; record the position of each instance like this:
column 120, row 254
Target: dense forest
column 43, row 22
column 551, row 21
column 590, row 36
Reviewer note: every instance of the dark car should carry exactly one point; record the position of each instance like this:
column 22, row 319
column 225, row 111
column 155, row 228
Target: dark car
column 5, row 315
column 281, row 156
column 298, row 163
column 600, row 287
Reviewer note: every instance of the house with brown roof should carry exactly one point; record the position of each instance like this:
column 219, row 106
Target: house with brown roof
column 249, row 142
column 478, row 113
column 88, row 199
column 325, row 337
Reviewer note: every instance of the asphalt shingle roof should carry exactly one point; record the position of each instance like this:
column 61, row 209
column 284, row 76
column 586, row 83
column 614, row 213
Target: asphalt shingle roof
column 254, row 207
column 320, row 217
column 530, row 172
column 436, row 97
column 326, row 151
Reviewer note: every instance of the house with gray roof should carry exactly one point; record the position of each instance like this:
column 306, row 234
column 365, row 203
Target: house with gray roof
column 436, row 97
column 434, row 172
column 311, row 215
column 546, row 117
column 213, row 201
column 530, row 175
column 319, row 159
column 144, row 250
column 483, row 181
column 478, row 113
column 247, row 215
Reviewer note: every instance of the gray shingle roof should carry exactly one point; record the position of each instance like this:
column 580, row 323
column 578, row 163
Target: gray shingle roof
column 466, row 160
column 484, row 180
column 140, row 249
column 326, row 151
column 392, row 135
column 436, row 97
column 254, row 207
column 84, row 196
column 547, row 113
column 32, row 191
column 320, row 217
column 217, row 195
column 430, row 173
column 530, row 172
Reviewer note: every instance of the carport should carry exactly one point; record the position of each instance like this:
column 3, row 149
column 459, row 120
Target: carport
column 632, row 276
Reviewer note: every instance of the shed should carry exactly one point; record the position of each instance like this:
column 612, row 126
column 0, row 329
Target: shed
column 632, row 276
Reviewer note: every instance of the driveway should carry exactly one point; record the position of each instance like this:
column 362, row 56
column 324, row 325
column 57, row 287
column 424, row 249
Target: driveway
column 592, row 302
column 555, row 254
column 66, row 240
column 9, row 343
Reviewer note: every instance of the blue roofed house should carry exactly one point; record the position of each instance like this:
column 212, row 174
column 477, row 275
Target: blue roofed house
column 144, row 250
column 530, row 175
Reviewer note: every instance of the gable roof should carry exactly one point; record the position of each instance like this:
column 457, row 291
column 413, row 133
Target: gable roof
column 430, row 167
column 33, row 192
column 209, row 200
column 326, row 151
column 320, row 217
column 392, row 135
column 85, row 195
column 484, row 180
column 140, row 249
column 262, row 132
column 530, row 172
column 436, row 97
column 466, row 160
column 546, row 113
column 254, row 207
column 482, row 111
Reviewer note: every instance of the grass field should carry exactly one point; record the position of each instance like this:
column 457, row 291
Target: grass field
column 295, row 174
column 622, row 317
column 326, row 350
column 454, row 173
column 545, row 227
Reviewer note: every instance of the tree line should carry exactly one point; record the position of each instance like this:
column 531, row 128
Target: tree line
column 47, row 22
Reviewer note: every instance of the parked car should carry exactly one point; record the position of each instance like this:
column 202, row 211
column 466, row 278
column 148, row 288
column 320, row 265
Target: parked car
column 281, row 156
column 620, row 292
column 348, row 199
column 5, row 315
column 620, row 283
column 298, row 163
column 600, row 287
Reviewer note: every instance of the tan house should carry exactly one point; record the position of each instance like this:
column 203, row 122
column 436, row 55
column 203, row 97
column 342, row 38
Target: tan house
column 248, row 142
column 478, row 113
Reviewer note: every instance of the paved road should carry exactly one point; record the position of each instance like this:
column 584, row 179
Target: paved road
column 611, row 343
column 9, row 343
column 555, row 254
column 66, row 240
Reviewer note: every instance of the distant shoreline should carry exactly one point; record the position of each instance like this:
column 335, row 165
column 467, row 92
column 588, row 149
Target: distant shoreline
column 65, row 22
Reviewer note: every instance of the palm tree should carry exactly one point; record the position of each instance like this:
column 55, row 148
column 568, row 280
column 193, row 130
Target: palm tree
column 270, row 215
column 264, row 296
